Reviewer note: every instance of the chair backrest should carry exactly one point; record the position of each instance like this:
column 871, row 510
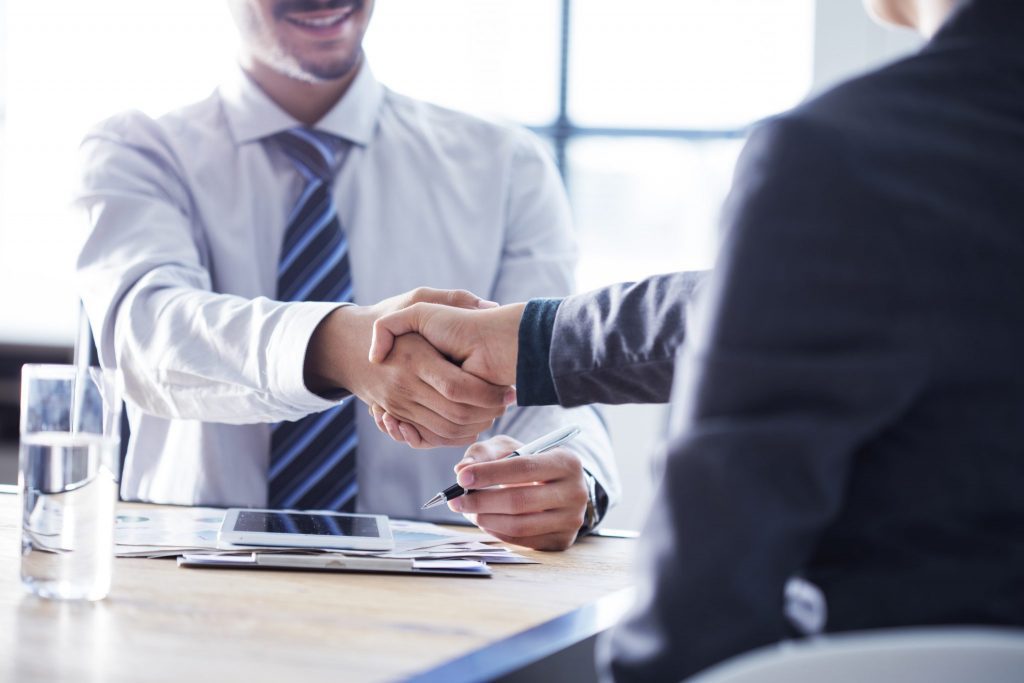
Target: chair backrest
column 87, row 355
column 911, row 655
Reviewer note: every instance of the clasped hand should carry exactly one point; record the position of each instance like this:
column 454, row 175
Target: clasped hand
column 538, row 501
column 415, row 384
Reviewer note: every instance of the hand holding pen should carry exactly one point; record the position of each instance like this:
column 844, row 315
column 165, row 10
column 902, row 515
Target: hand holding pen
column 535, row 447
column 537, row 498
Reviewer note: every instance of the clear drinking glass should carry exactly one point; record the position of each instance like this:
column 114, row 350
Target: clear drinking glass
column 69, row 463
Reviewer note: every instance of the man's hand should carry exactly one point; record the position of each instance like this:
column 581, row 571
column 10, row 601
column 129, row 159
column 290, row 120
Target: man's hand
column 542, row 501
column 417, row 385
column 484, row 341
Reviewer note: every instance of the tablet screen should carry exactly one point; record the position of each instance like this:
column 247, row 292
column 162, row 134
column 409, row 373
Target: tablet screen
column 303, row 523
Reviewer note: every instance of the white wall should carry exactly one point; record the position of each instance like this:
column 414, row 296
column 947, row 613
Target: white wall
column 847, row 42
column 636, row 436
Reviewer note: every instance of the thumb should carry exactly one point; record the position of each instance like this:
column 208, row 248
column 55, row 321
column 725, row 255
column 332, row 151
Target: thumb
column 458, row 298
column 492, row 449
column 387, row 327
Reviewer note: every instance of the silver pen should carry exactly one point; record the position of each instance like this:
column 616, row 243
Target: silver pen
column 544, row 443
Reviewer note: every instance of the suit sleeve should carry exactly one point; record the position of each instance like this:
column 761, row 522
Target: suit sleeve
column 801, row 352
column 612, row 345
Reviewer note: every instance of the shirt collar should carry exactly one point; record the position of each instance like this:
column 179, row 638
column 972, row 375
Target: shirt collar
column 252, row 115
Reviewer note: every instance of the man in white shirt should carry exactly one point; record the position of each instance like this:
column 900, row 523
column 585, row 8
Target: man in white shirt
column 182, row 275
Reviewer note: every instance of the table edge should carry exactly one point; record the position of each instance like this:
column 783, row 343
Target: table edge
column 528, row 647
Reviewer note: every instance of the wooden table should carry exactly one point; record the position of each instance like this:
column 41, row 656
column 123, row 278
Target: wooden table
column 165, row 623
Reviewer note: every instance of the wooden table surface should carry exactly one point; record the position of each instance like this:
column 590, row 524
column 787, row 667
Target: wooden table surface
column 165, row 623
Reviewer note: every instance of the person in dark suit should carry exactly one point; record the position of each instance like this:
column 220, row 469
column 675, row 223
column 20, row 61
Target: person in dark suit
column 847, row 437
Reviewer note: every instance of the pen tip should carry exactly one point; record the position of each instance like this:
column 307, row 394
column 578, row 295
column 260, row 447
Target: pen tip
column 436, row 500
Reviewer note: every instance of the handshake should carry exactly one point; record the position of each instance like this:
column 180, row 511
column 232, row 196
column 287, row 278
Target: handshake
column 435, row 367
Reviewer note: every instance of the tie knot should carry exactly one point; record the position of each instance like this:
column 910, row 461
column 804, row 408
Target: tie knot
column 314, row 153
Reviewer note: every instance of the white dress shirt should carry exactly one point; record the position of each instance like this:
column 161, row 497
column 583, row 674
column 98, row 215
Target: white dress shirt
column 179, row 274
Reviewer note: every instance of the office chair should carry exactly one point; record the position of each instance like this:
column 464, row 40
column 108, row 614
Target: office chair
column 86, row 354
column 906, row 655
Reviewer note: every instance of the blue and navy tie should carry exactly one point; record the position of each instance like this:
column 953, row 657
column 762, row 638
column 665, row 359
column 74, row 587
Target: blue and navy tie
column 313, row 460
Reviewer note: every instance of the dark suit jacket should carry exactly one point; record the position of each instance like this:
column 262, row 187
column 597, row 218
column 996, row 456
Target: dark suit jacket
column 851, row 398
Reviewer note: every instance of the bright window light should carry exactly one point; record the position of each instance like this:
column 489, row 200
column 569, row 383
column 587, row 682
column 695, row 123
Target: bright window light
column 642, row 205
column 72, row 64
column 492, row 57
column 688, row 63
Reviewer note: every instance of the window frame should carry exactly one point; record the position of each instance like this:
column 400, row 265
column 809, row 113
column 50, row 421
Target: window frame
column 563, row 130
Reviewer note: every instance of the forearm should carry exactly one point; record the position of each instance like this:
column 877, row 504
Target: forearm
column 613, row 345
column 192, row 354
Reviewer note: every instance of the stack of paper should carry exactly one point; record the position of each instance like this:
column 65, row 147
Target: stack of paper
column 170, row 532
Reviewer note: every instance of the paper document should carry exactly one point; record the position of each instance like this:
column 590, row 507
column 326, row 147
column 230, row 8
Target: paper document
column 172, row 532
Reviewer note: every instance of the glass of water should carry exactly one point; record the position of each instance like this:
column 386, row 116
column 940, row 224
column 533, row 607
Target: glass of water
column 69, row 469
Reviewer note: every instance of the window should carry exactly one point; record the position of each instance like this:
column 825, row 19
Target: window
column 71, row 64
column 644, row 104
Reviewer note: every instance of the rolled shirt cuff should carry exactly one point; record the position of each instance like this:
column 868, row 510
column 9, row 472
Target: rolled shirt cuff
column 287, row 353
column 534, row 383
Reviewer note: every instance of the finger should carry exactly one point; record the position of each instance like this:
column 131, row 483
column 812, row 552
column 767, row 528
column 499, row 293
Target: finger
column 520, row 500
column 417, row 436
column 555, row 464
column 459, row 386
column 428, row 378
column 431, row 440
column 556, row 541
column 496, row 447
column 392, row 428
column 419, row 407
column 404, row 390
column 535, row 524
column 378, row 416
column 459, row 298
column 386, row 328
column 412, row 435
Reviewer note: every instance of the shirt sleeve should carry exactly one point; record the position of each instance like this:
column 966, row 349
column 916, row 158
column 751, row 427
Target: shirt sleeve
column 539, row 260
column 144, row 277
column 802, row 353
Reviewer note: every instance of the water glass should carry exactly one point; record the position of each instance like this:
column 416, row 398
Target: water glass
column 69, row 463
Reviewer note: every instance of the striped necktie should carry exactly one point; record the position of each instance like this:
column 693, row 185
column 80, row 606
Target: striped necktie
column 313, row 460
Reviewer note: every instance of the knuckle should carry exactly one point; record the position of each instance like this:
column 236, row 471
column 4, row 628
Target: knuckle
column 419, row 294
column 487, row 523
column 454, row 430
column 573, row 464
column 561, row 542
column 506, row 442
column 461, row 414
column 447, row 387
column 445, row 430
column 518, row 500
column 394, row 388
column 528, row 467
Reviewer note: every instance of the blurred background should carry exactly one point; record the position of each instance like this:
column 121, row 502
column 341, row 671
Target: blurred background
column 644, row 105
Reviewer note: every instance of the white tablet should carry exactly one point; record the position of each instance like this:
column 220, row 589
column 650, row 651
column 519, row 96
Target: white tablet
column 306, row 529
